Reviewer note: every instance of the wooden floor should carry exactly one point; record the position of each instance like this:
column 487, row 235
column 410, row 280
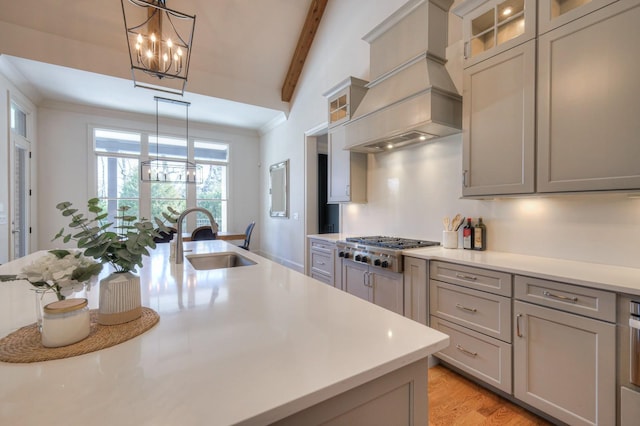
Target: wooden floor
column 454, row 400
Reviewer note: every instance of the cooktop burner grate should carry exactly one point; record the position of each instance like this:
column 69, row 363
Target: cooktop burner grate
column 391, row 242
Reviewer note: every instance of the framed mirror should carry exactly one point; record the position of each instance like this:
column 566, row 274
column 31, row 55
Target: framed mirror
column 279, row 189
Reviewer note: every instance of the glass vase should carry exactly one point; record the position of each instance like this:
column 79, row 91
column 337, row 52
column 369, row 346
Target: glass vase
column 43, row 298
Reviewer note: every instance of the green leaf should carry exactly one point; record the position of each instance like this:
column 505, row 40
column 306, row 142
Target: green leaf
column 63, row 205
column 69, row 212
column 60, row 253
column 66, row 239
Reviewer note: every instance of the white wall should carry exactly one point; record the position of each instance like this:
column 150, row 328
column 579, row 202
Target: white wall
column 62, row 160
column 337, row 52
column 410, row 190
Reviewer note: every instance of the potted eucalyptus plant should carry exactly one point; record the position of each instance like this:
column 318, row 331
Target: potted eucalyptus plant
column 122, row 244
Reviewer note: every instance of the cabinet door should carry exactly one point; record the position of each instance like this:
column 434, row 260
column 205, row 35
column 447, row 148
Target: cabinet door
column 415, row 289
column 588, row 102
column 564, row 364
column 354, row 279
column 338, row 166
column 555, row 13
column 347, row 171
column 496, row 27
column 499, row 124
column 387, row 290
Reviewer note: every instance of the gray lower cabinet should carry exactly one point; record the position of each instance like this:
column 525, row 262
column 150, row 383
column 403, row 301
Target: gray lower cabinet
column 498, row 124
column 473, row 306
column 416, row 294
column 588, row 100
column 564, row 353
column 383, row 288
column 322, row 256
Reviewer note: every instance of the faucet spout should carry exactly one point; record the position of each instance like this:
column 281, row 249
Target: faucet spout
column 179, row 248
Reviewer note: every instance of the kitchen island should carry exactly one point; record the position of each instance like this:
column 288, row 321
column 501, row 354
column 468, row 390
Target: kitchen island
column 248, row 345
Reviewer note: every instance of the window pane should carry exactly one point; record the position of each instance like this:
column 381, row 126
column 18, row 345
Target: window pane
column 116, row 142
column 112, row 206
column 216, row 207
column 117, row 177
column 214, row 183
column 169, row 190
column 167, row 148
column 211, row 151
column 18, row 120
column 160, row 206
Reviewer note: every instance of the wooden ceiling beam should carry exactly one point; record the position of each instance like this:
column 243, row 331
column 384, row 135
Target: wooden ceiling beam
column 316, row 9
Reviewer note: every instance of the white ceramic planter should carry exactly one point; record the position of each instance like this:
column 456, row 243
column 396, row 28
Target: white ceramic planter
column 120, row 299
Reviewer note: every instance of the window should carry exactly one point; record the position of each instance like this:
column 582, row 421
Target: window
column 118, row 156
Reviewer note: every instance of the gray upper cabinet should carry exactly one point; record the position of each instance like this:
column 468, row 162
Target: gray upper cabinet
column 491, row 27
column 563, row 119
column 554, row 13
column 499, row 123
column 347, row 171
column 588, row 102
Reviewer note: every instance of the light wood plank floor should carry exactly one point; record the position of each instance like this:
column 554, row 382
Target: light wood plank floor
column 454, row 400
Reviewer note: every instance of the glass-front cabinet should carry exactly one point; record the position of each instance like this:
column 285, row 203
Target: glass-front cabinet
column 491, row 27
column 554, row 13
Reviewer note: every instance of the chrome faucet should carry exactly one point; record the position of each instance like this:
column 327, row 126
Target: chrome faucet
column 212, row 222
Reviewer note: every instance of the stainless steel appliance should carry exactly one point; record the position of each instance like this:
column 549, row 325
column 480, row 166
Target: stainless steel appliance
column 379, row 251
column 629, row 359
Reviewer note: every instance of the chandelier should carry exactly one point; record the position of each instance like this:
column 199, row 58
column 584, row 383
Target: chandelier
column 167, row 170
column 159, row 41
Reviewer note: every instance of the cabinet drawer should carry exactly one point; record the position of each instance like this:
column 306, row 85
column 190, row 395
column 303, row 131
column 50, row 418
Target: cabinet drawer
column 486, row 313
column 579, row 300
column 481, row 356
column 322, row 246
column 468, row 276
column 322, row 262
column 322, row 277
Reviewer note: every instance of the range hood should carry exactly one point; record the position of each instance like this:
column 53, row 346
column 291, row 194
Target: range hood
column 411, row 98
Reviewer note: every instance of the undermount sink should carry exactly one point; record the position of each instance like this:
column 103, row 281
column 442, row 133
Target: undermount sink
column 206, row 261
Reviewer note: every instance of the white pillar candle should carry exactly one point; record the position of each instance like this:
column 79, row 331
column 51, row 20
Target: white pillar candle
column 65, row 322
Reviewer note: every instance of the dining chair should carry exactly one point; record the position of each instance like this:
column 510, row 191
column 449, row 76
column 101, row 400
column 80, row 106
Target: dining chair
column 165, row 237
column 247, row 236
column 203, row 233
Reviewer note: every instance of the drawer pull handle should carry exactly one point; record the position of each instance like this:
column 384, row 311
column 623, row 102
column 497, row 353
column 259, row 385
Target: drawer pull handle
column 558, row 296
column 464, row 308
column 321, row 263
column 466, row 277
column 461, row 349
column 518, row 325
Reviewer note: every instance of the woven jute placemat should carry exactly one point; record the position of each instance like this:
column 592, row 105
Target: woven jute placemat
column 25, row 344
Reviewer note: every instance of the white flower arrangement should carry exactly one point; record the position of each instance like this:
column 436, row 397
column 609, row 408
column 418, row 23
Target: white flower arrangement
column 60, row 271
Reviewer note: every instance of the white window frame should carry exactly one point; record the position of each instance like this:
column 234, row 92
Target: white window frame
column 145, row 187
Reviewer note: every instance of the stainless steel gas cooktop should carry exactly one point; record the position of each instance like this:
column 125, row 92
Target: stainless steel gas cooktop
column 379, row 251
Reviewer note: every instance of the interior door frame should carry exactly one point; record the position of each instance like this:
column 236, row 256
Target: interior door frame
column 18, row 141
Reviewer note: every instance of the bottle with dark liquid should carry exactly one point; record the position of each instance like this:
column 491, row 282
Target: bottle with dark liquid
column 467, row 235
column 480, row 236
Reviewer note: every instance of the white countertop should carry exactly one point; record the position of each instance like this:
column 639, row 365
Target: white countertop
column 243, row 345
column 606, row 277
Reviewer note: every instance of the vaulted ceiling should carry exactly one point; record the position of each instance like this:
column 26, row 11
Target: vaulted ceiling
column 76, row 51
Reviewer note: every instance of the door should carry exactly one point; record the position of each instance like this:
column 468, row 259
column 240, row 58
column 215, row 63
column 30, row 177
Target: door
column 354, row 279
column 19, row 184
column 387, row 290
column 564, row 364
column 499, row 124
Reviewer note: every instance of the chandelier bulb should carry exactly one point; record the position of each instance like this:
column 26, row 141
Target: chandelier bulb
column 169, row 43
column 139, row 38
column 149, row 54
column 153, row 37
